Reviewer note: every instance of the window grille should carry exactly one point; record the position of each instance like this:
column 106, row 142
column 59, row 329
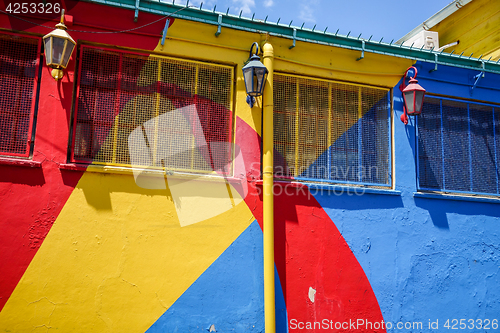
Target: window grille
column 19, row 62
column 458, row 146
column 331, row 132
column 152, row 111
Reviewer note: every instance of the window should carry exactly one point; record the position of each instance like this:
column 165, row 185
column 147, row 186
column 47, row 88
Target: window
column 151, row 111
column 331, row 132
column 19, row 65
column 458, row 146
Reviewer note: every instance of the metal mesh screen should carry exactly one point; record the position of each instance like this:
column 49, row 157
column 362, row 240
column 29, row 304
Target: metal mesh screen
column 458, row 146
column 330, row 131
column 19, row 56
column 149, row 111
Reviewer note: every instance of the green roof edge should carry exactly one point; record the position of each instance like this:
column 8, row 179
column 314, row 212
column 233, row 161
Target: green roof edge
column 303, row 34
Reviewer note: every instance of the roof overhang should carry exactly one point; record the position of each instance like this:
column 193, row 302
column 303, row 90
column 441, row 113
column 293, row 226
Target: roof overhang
column 435, row 19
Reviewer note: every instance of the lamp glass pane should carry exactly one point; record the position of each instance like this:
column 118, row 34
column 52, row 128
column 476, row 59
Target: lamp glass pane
column 48, row 50
column 248, row 76
column 255, row 87
column 419, row 100
column 67, row 54
column 58, row 48
column 260, row 74
column 409, row 97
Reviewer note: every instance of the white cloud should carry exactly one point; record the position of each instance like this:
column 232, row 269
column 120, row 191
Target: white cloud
column 246, row 6
column 307, row 13
column 268, row 3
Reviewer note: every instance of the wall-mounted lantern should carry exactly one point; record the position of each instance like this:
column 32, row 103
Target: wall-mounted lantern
column 58, row 48
column 413, row 95
column 255, row 75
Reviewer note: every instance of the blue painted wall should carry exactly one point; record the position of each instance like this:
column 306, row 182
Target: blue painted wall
column 427, row 259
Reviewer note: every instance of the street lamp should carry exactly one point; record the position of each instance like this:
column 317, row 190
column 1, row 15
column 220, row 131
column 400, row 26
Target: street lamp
column 413, row 95
column 58, row 48
column 255, row 75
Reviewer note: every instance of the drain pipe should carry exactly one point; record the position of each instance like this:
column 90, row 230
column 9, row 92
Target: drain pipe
column 447, row 46
column 267, row 188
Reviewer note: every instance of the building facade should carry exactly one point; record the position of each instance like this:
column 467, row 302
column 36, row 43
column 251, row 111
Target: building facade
column 131, row 189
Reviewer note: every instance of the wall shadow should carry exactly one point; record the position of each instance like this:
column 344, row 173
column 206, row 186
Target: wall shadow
column 97, row 189
column 22, row 175
column 355, row 199
column 438, row 209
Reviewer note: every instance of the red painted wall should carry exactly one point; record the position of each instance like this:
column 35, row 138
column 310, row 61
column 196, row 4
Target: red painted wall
column 32, row 197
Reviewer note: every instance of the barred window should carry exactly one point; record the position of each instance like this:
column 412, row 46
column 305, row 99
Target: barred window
column 331, row 132
column 19, row 65
column 152, row 111
column 459, row 146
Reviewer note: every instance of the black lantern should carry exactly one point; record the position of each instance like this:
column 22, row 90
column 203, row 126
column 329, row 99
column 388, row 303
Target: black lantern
column 58, row 48
column 413, row 95
column 255, row 75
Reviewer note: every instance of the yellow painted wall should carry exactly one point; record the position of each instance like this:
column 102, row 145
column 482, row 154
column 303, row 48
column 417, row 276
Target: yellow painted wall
column 476, row 26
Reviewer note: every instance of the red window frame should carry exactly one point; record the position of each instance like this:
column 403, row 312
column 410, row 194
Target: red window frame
column 16, row 111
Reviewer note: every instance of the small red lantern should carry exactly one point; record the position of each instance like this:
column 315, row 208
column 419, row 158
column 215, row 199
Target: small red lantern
column 413, row 95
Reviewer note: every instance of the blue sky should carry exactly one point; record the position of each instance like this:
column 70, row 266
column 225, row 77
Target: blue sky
column 390, row 19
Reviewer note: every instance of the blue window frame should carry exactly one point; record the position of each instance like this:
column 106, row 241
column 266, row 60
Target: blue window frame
column 329, row 131
column 458, row 146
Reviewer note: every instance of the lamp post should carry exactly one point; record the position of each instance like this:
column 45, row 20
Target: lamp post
column 413, row 96
column 254, row 74
column 58, row 48
column 267, row 189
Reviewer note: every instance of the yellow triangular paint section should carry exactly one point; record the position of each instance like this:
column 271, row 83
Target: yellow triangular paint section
column 116, row 259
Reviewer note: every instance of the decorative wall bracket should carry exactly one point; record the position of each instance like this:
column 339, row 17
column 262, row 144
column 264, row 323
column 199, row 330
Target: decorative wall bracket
column 362, row 50
column 136, row 14
column 219, row 25
column 165, row 30
column 477, row 78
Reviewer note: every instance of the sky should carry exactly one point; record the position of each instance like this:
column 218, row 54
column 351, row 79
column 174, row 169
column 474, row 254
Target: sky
column 387, row 19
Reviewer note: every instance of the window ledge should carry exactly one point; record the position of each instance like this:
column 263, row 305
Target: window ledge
column 335, row 189
column 446, row 196
column 20, row 162
column 111, row 169
column 73, row 166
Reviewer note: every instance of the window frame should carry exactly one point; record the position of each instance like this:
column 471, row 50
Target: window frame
column 144, row 53
column 494, row 108
column 35, row 91
column 332, row 118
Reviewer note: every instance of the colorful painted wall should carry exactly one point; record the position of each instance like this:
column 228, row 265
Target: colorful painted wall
column 90, row 248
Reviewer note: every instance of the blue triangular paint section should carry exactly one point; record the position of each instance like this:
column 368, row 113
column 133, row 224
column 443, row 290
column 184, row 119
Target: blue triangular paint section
column 341, row 160
column 279, row 298
column 228, row 295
